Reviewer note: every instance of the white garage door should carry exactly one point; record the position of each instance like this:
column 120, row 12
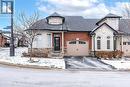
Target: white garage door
column 77, row 48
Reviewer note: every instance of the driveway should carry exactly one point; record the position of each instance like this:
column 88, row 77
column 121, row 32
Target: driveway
column 88, row 63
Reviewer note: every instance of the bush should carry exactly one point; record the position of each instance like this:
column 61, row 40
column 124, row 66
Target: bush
column 109, row 54
column 35, row 54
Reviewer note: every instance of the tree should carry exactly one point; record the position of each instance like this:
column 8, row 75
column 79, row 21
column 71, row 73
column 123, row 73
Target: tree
column 22, row 25
column 31, row 34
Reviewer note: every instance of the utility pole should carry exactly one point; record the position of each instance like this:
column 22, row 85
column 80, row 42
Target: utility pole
column 7, row 7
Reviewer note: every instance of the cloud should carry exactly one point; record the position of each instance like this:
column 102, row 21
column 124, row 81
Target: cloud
column 86, row 8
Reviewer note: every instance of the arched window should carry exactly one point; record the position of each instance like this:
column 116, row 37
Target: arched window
column 108, row 37
column 98, row 37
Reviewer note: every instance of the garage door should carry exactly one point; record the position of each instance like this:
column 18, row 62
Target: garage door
column 77, row 48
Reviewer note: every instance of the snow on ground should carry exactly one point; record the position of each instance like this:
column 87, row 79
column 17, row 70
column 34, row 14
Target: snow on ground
column 119, row 64
column 18, row 59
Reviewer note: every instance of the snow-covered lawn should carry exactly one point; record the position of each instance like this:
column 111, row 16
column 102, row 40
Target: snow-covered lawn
column 18, row 59
column 119, row 64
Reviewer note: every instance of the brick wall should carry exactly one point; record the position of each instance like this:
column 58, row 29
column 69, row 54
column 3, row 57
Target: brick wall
column 3, row 40
column 69, row 36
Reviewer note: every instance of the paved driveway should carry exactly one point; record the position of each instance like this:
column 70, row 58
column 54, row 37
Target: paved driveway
column 86, row 63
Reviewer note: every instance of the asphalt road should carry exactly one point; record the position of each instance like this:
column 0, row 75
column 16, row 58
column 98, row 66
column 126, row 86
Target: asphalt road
column 23, row 77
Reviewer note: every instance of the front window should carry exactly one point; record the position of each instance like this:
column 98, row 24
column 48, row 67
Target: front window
column 124, row 43
column 98, row 44
column 108, row 44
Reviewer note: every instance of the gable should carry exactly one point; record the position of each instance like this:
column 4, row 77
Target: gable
column 103, row 28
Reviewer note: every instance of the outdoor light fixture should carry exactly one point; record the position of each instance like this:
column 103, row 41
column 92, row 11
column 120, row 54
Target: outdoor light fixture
column 7, row 7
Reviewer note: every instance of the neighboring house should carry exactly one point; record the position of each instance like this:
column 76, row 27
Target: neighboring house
column 77, row 36
column 3, row 40
column 19, row 39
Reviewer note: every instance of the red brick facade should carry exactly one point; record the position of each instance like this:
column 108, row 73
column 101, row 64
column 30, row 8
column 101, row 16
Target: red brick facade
column 3, row 40
column 69, row 36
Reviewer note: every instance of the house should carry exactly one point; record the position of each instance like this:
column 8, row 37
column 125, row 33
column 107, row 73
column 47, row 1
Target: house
column 19, row 39
column 3, row 39
column 77, row 36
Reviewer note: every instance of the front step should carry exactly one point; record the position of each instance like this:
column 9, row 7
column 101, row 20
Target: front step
column 56, row 55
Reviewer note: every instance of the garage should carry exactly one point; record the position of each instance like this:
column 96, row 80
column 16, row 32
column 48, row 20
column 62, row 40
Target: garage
column 77, row 48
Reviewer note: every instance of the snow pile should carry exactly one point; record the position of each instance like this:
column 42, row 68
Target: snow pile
column 119, row 64
column 17, row 59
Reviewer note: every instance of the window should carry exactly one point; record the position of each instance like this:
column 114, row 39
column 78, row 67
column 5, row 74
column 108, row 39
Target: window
column 108, row 37
column 128, row 43
column 98, row 37
column 108, row 44
column 72, row 42
column 98, row 44
column 82, row 42
column 49, row 40
column 124, row 43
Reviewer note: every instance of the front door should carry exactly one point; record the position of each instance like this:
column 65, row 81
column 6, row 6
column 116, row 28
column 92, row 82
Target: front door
column 56, row 43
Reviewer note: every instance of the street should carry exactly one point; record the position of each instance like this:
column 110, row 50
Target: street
column 23, row 77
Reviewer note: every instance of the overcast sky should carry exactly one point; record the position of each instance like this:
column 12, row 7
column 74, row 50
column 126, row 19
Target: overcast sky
column 85, row 8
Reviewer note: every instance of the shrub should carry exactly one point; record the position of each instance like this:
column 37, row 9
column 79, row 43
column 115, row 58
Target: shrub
column 109, row 54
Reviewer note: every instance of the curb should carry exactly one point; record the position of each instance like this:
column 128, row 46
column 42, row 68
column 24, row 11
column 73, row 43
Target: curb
column 29, row 66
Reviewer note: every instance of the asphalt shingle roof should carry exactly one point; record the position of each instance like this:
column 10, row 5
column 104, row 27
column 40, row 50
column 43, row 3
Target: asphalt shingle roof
column 78, row 23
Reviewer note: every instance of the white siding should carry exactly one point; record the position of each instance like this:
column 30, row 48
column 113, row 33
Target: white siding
column 43, row 40
column 104, row 31
column 113, row 22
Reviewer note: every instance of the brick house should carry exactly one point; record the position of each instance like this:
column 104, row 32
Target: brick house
column 3, row 40
column 77, row 36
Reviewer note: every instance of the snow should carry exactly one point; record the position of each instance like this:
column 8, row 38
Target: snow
column 24, row 77
column 18, row 59
column 119, row 64
column 87, row 63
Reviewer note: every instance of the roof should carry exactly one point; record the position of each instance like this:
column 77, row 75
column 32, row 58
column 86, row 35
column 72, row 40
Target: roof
column 72, row 23
column 55, row 14
column 110, row 15
column 78, row 23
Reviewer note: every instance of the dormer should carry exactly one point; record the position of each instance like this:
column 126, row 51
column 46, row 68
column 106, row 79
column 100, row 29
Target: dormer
column 111, row 19
column 55, row 19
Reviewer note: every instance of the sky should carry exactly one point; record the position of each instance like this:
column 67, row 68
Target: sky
column 85, row 8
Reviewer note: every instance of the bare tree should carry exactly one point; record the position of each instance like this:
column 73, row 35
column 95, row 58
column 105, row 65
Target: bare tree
column 31, row 34
column 23, row 22
column 22, row 25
